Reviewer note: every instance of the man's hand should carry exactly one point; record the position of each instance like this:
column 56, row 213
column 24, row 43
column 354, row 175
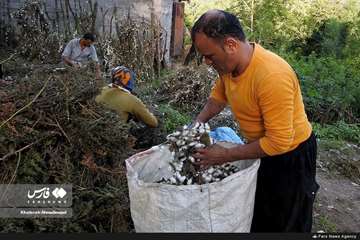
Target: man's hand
column 216, row 154
column 76, row 65
column 212, row 155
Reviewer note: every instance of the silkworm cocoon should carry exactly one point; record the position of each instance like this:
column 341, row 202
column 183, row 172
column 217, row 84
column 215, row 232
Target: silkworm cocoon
column 201, row 130
column 192, row 144
column 185, row 127
column 210, row 170
column 191, row 159
column 207, row 127
column 177, row 133
column 181, row 179
column 185, row 132
column 189, row 181
column 178, row 167
column 173, row 180
column 199, row 145
column 172, row 139
column 208, row 179
column 183, row 148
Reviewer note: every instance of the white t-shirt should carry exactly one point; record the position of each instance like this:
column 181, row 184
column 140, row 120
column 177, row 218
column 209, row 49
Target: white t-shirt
column 74, row 52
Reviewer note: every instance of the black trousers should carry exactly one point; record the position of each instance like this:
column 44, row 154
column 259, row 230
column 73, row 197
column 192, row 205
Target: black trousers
column 286, row 190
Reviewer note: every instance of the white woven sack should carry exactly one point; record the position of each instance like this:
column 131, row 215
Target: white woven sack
column 225, row 206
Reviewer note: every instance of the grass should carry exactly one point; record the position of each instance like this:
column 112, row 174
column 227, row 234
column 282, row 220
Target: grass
column 325, row 224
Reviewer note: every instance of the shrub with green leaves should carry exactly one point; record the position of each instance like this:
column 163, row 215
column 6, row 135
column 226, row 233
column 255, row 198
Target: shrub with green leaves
column 330, row 86
column 173, row 118
column 338, row 131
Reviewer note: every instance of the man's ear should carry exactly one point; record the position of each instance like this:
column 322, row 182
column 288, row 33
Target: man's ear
column 230, row 44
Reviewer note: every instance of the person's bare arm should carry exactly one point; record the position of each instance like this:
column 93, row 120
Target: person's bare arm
column 216, row 154
column 68, row 61
column 211, row 109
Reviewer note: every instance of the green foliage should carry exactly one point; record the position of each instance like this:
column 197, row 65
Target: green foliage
column 338, row 131
column 261, row 20
column 194, row 9
column 329, row 40
column 276, row 23
column 319, row 38
column 173, row 118
column 330, row 87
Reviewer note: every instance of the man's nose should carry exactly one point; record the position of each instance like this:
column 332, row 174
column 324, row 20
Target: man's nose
column 208, row 61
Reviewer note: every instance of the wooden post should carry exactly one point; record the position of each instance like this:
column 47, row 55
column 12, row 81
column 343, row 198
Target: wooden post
column 177, row 29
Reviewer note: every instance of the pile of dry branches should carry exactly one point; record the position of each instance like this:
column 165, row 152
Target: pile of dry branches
column 138, row 45
column 52, row 132
column 36, row 40
column 188, row 88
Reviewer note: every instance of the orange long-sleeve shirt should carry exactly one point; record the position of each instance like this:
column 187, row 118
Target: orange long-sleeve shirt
column 267, row 103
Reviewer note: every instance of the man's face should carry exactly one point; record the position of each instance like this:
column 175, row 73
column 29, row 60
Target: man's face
column 86, row 42
column 214, row 53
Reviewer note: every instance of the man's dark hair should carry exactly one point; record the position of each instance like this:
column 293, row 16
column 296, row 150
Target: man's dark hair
column 89, row 36
column 218, row 24
column 215, row 24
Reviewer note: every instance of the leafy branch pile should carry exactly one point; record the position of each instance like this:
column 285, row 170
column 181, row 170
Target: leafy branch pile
column 53, row 132
column 188, row 88
column 137, row 44
column 36, row 40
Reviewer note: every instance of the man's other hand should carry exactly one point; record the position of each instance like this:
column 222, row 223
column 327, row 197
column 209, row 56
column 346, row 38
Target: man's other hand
column 212, row 155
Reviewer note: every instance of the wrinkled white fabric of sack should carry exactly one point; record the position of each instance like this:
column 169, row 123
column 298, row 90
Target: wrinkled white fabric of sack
column 225, row 206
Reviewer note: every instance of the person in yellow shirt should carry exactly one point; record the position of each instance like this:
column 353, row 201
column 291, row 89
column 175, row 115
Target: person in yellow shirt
column 118, row 97
column 264, row 95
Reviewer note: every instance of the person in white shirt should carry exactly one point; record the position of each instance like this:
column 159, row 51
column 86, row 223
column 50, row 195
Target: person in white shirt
column 80, row 51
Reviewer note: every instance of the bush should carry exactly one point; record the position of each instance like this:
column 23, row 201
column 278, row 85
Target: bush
column 173, row 118
column 330, row 86
column 338, row 131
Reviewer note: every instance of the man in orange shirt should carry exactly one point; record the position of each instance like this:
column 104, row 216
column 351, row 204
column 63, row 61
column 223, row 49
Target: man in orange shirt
column 264, row 95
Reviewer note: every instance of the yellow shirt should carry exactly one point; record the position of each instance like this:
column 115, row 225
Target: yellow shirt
column 267, row 103
column 124, row 103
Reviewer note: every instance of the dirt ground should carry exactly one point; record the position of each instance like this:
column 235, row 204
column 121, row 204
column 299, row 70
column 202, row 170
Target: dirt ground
column 337, row 207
